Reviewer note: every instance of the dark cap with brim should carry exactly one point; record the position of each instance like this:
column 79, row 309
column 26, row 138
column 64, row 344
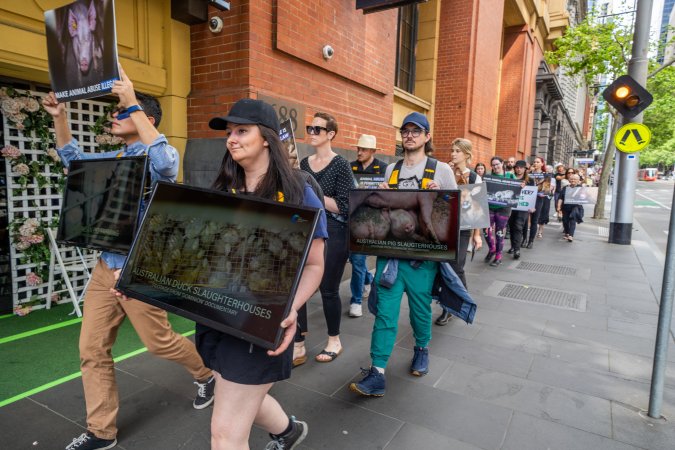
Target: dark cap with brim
column 520, row 163
column 248, row 112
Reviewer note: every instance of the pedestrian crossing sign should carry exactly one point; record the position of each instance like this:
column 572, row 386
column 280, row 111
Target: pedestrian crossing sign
column 632, row 137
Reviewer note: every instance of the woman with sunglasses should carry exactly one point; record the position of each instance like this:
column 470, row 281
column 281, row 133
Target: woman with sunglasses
column 499, row 217
column 334, row 175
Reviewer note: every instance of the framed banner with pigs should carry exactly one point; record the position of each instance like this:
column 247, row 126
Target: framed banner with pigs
column 82, row 49
column 406, row 224
column 230, row 262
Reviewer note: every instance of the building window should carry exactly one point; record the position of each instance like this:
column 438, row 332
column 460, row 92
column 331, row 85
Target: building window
column 405, row 52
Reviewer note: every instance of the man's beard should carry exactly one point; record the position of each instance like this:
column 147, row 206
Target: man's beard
column 413, row 150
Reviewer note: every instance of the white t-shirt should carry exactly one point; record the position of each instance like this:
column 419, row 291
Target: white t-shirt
column 411, row 177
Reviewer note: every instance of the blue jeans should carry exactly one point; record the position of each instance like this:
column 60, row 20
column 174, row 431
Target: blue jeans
column 360, row 276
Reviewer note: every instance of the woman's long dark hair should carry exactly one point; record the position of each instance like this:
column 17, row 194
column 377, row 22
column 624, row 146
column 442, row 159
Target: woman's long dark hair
column 280, row 176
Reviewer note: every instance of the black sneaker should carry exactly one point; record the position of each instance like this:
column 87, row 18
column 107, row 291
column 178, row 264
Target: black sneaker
column 511, row 250
column 420, row 362
column 443, row 319
column 88, row 441
column 372, row 385
column 204, row 393
column 290, row 440
column 516, row 254
column 496, row 263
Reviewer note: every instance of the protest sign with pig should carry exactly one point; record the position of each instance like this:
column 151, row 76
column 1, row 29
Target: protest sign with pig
column 82, row 49
column 407, row 224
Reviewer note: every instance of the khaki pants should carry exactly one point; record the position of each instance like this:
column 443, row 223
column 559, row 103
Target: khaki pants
column 103, row 315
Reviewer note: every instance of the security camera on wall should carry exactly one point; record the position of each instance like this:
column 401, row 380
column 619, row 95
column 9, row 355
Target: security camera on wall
column 216, row 24
column 328, row 52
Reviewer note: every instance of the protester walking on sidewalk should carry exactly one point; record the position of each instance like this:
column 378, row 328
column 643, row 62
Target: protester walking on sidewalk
column 415, row 278
column 518, row 219
column 256, row 164
column 543, row 190
column 571, row 214
column 461, row 153
column 365, row 164
column 334, row 175
column 135, row 121
column 499, row 217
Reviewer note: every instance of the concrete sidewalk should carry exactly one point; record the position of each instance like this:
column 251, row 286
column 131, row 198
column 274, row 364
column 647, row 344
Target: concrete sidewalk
column 560, row 357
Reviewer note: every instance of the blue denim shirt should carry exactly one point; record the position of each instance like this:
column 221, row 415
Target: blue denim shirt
column 163, row 166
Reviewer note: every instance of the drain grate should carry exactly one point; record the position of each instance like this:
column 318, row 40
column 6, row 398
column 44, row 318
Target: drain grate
column 603, row 231
column 551, row 297
column 547, row 268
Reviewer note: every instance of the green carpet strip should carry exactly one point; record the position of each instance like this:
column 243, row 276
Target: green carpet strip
column 73, row 376
column 39, row 330
column 6, row 316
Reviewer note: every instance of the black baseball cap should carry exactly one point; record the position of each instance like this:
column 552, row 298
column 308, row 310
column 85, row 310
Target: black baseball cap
column 520, row 163
column 248, row 111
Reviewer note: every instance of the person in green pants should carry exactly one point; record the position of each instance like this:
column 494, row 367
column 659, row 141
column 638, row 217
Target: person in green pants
column 415, row 278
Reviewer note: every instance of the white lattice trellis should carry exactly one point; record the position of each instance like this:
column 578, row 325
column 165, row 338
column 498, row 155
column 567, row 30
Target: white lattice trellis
column 45, row 202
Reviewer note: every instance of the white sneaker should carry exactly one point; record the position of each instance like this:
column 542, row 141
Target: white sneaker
column 355, row 310
column 366, row 292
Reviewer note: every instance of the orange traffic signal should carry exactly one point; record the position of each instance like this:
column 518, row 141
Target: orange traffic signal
column 627, row 96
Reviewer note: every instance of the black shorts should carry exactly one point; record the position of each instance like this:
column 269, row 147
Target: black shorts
column 239, row 361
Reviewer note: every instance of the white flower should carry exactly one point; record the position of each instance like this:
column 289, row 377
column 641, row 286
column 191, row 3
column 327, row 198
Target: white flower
column 10, row 106
column 21, row 245
column 53, row 155
column 30, row 104
column 21, row 169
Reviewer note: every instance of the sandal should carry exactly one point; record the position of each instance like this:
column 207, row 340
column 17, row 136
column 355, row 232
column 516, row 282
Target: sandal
column 300, row 360
column 331, row 355
column 539, row 235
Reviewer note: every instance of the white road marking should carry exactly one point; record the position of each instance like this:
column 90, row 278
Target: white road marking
column 651, row 199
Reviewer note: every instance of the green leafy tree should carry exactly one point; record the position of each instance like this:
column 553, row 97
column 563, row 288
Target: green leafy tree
column 602, row 48
column 660, row 118
column 590, row 50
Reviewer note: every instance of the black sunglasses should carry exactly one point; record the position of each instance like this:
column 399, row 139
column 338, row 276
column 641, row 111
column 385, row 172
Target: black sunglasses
column 315, row 129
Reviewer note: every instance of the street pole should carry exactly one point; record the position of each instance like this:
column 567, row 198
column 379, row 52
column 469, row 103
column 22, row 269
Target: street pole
column 663, row 328
column 621, row 218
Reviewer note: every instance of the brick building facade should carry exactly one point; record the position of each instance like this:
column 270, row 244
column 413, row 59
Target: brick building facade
column 273, row 51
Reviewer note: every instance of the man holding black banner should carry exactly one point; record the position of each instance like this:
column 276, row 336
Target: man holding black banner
column 135, row 122
column 365, row 164
column 394, row 277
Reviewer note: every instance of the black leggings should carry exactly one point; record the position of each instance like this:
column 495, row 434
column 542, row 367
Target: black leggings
column 337, row 253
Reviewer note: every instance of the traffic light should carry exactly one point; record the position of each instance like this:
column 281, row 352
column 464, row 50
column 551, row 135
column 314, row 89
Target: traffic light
column 627, row 96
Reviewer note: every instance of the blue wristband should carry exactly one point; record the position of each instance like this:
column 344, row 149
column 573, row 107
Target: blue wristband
column 127, row 111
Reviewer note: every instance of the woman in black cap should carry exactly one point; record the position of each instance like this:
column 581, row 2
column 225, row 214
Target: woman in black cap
column 256, row 163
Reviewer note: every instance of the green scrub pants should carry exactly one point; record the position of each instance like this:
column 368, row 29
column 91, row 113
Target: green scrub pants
column 417, row 283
